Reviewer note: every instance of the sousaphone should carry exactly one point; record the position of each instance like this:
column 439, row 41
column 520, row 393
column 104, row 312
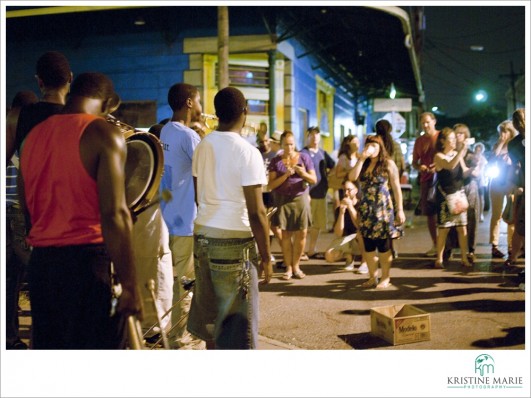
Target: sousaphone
column 143, row 167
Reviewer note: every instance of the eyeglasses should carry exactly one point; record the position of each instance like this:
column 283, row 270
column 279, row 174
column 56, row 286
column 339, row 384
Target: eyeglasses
column 349, row 189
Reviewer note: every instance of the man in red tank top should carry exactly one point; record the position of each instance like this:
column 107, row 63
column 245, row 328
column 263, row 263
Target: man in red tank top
column 423, row 154
column 73, row 195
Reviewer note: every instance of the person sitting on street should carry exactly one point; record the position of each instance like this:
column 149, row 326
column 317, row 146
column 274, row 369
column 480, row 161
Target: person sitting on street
column 345, row 230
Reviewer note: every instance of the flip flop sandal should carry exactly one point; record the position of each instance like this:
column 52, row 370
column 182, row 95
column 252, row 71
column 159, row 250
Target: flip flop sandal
column 287, row 276
column 299, row 275
column 383, row 285
column 369, row 283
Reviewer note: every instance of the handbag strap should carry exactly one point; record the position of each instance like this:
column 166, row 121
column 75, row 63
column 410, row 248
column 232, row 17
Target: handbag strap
column 441, row 190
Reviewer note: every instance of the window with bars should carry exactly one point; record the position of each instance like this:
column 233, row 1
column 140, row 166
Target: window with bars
column 252, row 77
column 248, row 76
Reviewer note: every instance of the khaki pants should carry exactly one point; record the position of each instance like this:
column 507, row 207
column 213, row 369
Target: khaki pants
column 182, row 250
column 497, row 200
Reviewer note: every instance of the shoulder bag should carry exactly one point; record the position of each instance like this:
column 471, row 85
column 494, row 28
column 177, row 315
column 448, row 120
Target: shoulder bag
column 457, row 202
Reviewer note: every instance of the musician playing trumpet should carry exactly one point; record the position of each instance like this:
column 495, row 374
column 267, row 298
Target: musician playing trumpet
column 73, row 194
column 179, row 143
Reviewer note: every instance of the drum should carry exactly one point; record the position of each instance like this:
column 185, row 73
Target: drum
column 143, row 170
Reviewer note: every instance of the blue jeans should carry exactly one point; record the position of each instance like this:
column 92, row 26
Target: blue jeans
column 225, row 301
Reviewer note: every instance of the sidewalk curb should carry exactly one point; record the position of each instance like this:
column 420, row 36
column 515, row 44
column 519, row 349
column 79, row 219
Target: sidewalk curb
column 265, row 343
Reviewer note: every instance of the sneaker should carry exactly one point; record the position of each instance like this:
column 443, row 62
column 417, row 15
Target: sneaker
column 496, row 252
column 362, row 269
column 432, row 252
column 510, row 266
column 349, row 267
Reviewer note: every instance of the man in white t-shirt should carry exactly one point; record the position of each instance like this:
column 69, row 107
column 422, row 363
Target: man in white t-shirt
column 231, row 232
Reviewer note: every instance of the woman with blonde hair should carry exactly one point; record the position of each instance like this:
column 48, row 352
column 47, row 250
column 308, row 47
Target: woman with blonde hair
column 499, row 186
column 471, row 186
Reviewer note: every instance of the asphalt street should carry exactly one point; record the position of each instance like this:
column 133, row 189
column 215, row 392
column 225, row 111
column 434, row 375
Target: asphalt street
column 476, row 308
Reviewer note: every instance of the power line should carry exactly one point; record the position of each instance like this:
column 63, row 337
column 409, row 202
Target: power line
column 442, row 80
column 467, row 50
column 445, row 67
column 460, row 63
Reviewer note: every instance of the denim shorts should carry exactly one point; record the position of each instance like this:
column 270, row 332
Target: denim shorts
column 225, row 301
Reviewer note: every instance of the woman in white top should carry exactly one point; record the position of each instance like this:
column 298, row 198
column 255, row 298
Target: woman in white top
column 347, row 157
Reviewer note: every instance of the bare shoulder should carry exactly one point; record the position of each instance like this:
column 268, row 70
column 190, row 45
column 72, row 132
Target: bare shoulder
column 439, row 156
column 103, row 134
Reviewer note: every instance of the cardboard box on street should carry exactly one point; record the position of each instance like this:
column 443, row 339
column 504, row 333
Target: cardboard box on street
column 401, row 324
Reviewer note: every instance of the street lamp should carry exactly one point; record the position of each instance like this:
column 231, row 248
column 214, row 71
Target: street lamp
column 481, row 96
column 392, row 91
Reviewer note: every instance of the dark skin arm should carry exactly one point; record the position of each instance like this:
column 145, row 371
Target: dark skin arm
column 103, row 153
column 11, row 131
column 22, row 200
column 260, row 227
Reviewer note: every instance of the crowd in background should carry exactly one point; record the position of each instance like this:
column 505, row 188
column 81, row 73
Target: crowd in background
column 215, row 229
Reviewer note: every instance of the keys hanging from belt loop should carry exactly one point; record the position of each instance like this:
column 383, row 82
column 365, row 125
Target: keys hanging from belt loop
column 245, row 278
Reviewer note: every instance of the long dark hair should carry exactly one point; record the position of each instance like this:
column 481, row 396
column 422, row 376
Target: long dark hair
column 381, row 161
column 383, row 128
column 345, row 147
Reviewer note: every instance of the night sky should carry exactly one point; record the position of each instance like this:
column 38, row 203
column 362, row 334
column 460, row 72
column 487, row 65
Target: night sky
column 452, row 72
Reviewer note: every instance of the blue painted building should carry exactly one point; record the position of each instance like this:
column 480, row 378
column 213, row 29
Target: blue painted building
column 147, row 49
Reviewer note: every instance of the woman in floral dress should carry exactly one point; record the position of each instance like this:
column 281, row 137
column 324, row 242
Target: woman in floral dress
column 378, row 176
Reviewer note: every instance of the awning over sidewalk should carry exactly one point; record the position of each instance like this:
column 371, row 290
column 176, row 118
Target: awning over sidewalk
column 364, row 49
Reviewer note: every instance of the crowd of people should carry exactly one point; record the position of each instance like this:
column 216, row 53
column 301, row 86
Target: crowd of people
column 89, row 259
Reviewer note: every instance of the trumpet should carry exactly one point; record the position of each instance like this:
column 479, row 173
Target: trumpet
column 212, row 118
column 126, row 129
column 248, row 129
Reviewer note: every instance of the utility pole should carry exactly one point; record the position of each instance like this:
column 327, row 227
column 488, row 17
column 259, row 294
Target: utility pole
column 513, row 77
column 223, row 47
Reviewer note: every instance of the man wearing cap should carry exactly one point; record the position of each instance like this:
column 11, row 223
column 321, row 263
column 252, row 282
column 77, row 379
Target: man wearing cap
column 275, row 142
column 73, row 194
column 322, row 163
